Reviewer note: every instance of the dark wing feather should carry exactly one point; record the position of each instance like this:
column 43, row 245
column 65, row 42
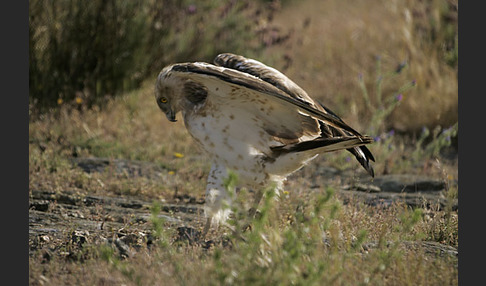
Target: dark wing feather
column 324, row 144
column 362, row 153
column 251, row 82
column 265, row 73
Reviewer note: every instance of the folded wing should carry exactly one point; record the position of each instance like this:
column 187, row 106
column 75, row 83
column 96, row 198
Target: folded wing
column 282, row 82
column 292, row 116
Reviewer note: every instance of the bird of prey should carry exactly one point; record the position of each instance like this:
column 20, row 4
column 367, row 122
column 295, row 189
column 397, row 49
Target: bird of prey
column 253, row 120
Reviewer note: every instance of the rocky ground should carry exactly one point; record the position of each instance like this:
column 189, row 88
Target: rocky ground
column 61, row 223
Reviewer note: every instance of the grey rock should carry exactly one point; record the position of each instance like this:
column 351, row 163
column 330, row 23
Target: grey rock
column 121, row 167
column 407, row 183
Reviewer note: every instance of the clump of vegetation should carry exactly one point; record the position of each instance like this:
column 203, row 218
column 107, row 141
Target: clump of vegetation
column 432, row 144
column 381, row 110
column 378, row 107
column 82, row 52
column 389, row 145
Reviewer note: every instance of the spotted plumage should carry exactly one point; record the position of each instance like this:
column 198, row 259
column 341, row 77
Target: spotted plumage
column 253, row 120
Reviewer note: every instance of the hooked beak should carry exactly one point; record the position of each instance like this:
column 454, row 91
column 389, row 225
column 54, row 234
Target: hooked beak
column 171, row 116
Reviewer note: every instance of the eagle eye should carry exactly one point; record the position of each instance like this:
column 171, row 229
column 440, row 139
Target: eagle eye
column 163, row 100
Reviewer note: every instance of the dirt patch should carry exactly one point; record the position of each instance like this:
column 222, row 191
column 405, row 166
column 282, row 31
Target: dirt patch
column 62, row 223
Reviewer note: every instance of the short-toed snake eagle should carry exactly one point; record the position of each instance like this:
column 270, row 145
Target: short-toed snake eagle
column 253, row 120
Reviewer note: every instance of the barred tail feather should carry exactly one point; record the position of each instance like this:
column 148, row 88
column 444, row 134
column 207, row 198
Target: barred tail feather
column 324, row 144
column 363, row 155
column 353, row 144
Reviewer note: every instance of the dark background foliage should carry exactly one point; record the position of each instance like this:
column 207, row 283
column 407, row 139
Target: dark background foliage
column 93, row 49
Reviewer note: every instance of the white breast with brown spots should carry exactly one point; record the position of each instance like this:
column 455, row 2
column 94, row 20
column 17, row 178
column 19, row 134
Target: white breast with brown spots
column 234, row 135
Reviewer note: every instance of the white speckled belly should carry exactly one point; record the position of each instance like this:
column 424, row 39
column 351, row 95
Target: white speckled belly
column 234, row 145
column 236, row 139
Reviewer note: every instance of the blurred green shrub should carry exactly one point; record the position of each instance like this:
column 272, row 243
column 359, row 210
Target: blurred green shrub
column 83, row 51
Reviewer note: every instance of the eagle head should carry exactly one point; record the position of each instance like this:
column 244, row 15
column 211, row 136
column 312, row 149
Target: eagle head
column 176, row 91
column 166, row 94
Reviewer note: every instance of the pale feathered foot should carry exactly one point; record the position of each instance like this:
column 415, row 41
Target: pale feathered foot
column 246, row 226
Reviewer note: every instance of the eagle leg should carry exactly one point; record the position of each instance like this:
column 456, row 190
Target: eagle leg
column 256, row 202
column 218, row 200
column 205, row 231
